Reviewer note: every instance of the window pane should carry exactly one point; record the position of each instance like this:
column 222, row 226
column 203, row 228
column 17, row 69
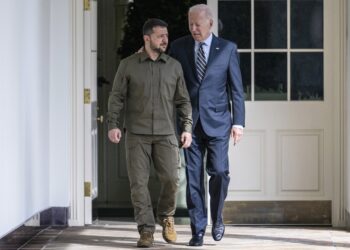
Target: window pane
column 307, row 76
column 234, row 22
column 270, row 76
column 307, row 23
column 270, row 24
column 245, row 64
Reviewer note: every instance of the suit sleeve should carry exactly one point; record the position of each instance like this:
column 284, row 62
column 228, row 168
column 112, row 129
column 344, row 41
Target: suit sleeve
column 236, row 89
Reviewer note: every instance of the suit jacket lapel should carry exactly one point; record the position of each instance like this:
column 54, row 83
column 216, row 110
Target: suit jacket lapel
column 190, row 52
column 214, row 50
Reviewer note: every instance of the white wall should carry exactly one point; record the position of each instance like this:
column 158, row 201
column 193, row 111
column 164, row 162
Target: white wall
column 60, row 81
column 33, row 96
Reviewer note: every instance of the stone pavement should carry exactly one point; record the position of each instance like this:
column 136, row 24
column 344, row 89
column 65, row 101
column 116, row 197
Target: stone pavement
column 123, row 235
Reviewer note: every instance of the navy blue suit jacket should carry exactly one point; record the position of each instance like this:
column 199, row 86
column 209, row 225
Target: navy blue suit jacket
column 218, row 101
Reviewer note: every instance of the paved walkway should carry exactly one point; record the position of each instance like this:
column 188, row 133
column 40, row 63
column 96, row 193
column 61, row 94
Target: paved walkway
column 123, row 235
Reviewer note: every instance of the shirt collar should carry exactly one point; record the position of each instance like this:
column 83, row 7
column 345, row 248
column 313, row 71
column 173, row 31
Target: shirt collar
column 144, row 56
column 207, row 41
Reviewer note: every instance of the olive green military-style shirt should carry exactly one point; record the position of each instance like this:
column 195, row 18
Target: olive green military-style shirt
column 152, row 92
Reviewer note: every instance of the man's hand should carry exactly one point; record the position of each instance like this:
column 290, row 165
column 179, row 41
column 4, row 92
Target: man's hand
column 115, row 135
column 186, row 139
column 236, row 134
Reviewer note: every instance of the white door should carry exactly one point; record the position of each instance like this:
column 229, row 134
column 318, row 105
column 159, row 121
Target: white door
column 289, row 65
column 90, row 106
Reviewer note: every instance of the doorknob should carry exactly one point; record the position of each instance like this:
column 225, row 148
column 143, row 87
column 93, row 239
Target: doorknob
column 100, row 118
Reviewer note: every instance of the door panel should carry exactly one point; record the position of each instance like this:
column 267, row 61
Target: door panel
column 286, row 152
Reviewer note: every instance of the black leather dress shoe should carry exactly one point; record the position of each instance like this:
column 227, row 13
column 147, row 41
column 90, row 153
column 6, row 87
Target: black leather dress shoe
column 218, row 231
column 197, row 240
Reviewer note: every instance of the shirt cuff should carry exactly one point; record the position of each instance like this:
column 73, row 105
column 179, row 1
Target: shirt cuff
column 112, row 126
column 187, row 128
column 238, row 126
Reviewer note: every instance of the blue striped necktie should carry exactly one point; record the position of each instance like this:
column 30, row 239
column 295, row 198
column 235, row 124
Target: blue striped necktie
column 201, row 63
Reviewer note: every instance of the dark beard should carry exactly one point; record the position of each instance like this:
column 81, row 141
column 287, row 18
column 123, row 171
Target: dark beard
column 158, row 50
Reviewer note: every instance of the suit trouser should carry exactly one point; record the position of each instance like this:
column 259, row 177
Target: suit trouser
column 163, row 151
column 218, row 169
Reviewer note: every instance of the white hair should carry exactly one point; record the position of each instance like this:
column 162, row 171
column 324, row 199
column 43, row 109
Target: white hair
column 201, row 8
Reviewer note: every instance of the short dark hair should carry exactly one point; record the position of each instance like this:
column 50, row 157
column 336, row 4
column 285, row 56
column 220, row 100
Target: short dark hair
column 148, row 26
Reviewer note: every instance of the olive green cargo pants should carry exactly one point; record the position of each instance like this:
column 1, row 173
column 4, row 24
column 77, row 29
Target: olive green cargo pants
column 163, row 151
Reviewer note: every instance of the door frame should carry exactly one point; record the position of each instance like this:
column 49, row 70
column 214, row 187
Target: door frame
column 339, row 213
column 77, row 137
column 77, row 157
column 80, row 194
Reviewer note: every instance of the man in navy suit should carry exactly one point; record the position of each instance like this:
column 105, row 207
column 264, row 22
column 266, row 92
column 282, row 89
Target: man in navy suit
column 213, row 79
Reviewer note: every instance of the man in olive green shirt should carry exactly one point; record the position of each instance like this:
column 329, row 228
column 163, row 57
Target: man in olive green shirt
column 151, row 87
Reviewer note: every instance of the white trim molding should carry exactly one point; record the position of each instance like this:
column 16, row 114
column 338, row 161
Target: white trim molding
column 346, row 115
column 76, row 213
column 340, row 73
column 34, row 221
